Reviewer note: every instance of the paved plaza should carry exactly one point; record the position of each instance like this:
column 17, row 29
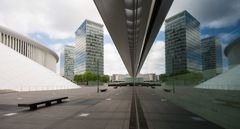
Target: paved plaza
column 121, row 108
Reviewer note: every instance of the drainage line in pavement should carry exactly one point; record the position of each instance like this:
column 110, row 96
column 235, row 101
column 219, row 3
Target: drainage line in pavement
column 133, row 118
column 137, row 119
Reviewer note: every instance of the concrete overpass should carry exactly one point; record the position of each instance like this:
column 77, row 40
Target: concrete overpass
column 133, row 26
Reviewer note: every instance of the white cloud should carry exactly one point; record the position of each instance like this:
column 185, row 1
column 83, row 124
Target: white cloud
column 155, row 62
column 210, row 13
column 112, row 61
column 57, row 18
column 60, row 18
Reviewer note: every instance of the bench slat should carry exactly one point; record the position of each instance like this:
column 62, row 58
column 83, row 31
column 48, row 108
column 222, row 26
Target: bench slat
column 33, row 105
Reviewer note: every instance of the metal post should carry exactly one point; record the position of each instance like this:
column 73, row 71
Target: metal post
column 133, row 80
column 173, row 56
column 97, row 76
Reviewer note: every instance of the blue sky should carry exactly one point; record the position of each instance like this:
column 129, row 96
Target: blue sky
column 46, row 40
column 225, row 34
column 53, row 23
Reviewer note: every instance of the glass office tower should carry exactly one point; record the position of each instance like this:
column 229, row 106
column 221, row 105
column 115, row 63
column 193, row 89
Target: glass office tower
column 183, row 44
column 212, row 55
column 67, row 62
column 89, row 48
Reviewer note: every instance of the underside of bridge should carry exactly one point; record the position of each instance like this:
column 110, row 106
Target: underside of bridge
column 133, row 26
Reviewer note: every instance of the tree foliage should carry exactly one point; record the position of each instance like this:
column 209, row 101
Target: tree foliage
column 90, row 76
column 105, row 78
column 182, row 75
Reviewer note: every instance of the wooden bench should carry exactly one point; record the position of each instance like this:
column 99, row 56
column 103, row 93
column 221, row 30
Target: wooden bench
column 103, row 90
column 167, row 90
column 33, row 105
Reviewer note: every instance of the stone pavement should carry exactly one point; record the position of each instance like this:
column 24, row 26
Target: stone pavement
column 121, row 108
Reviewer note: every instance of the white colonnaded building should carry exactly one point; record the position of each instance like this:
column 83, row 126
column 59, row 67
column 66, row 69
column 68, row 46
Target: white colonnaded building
column 29, row 48
column 27, row 65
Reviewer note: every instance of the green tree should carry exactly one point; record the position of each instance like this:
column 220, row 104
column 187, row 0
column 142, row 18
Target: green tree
column 163, row 77
column 78, row 78
column 89, row 76
column 105, row 78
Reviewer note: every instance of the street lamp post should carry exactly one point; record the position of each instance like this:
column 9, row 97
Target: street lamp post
column 97, row 76
column 173, row 86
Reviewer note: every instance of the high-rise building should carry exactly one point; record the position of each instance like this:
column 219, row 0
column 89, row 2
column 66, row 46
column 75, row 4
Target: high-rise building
column 183, row 44
column 89, row 48
column 233, row 53
column 67, row 62
column 212, row 54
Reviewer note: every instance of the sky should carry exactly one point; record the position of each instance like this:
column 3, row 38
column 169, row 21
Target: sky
column 53, row 23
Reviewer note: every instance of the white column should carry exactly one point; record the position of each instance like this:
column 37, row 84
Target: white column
column 14, row 44
column 34, row 53
column 24, row 49
column 22, row 46
column 7, row 40
column 28, row 55
column 31, row 51
column 27, row 49
column 17, row 45
column 1, row 37
column 11, row 46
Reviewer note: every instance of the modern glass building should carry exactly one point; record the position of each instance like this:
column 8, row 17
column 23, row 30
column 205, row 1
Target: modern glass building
column 67, row 62
column 233, row 53
column 212, row 55
column 183, row 44
column 89, row 48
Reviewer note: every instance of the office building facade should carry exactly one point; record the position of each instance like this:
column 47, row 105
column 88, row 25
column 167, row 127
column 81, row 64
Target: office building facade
column 29, row 48
column 149, row 77
column 233, row 53
column 183, row 44
column 67, row 62
column 212, row 55
column 89, row 48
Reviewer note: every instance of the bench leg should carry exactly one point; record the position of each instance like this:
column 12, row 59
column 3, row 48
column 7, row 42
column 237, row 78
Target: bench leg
column 48, row 104
column 59, row 101
column 33, row 107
